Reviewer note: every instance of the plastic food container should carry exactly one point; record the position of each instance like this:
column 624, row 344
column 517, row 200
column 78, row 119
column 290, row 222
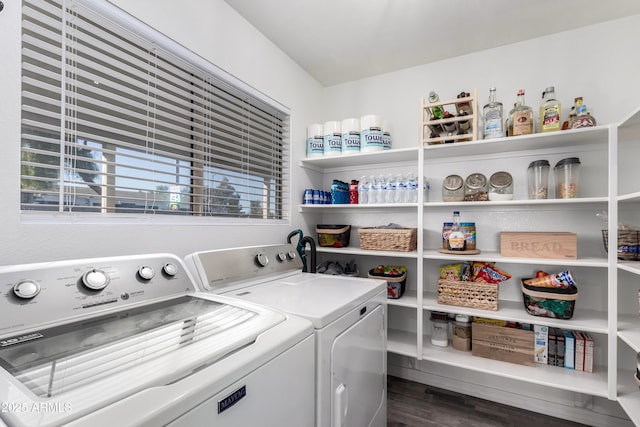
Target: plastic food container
column 567, row 177
column 549, row 302
column 336, row 236
column 396, row 277
column 439, row 329
column 538, row 179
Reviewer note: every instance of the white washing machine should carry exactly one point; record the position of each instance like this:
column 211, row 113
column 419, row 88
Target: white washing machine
column 348, row 314
column 128, row 341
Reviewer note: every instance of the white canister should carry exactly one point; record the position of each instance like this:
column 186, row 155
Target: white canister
column 350, row 136
column 386, row 135
column 315, row 140
column 332, row 138
column 371, row 133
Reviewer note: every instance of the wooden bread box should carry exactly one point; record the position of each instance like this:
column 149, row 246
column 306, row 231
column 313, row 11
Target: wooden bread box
column 555, row 245
column 502, row 343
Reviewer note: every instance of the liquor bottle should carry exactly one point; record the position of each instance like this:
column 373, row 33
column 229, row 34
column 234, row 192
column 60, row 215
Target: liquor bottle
column 465, row 106
column 456, row 240
column 449, row 128
column 493, row 117
column 583, row 119
column 550, row 111
column 522, row 121
column 437, row 112
column 508, row 124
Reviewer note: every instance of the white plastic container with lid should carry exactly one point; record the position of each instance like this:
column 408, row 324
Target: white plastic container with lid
column 371, row 133
column 439, row 329
column 315, row 140
column 332, row 138
column 350, row 136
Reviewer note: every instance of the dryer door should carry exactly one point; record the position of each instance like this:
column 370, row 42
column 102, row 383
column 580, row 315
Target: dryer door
column 358, row 380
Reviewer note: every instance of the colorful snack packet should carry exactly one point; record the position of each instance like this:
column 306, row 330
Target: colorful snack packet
column 450, row 272
column 559, row 280
column 490, row 274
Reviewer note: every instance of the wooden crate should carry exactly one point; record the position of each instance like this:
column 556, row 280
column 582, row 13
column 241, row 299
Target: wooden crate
column 452, row 107
column 502, row 343
column 556, row 245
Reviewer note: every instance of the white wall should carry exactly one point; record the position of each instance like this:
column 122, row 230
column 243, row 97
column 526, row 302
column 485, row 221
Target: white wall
column 597, row 63
column 216, row 32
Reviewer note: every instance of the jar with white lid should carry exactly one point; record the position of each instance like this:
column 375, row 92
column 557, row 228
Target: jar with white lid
column 501, row 186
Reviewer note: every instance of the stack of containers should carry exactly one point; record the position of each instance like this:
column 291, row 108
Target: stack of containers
column 350, row 136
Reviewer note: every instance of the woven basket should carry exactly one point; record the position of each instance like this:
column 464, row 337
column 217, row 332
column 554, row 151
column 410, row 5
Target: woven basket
column 388, row 239
column 468, row 294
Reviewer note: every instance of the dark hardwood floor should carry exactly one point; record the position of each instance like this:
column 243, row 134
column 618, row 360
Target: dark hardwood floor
column 413, row 404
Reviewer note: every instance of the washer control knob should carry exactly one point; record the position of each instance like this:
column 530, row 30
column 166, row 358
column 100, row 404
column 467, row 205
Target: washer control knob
column 146, row 273
column 281, row 256
column 262, row 260
column 95, row 279
column 291, row 255
column 26, row 289
column 170, row 269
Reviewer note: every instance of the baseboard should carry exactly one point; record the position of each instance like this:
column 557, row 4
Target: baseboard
column 575, row 414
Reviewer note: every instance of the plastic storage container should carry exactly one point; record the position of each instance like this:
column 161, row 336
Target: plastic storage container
column 439, row 329
column 567, row 173
column 538, row 179
column 462, row 333
column 396, row 277
column 336, row 236
column 549, row 302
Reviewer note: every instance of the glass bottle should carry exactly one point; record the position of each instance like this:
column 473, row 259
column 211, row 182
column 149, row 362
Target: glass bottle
column 508, row 124
column 492, row 114
column 550, row 111
column 437, row 112
column 456, row 240
column 464, row 109
column 522, row 121
column 582, row 119
column 449, row 128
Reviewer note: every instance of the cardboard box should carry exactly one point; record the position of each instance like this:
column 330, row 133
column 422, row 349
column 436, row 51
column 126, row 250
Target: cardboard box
column 502, row 343
column 569, row 349
column 553, row 345
column 560, row 347
column 579, row 352
column 541, row 334
column 555, row 245
column 588, row 352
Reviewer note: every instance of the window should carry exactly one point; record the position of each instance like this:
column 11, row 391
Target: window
column 118, row 119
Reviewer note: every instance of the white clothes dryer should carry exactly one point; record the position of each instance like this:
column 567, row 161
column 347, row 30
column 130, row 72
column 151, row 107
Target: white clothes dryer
column 348, row 314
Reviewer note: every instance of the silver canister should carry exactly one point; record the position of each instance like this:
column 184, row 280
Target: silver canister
column 453, row 189
column 501, row 186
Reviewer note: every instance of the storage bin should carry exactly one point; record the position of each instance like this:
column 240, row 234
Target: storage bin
column 388, row 239
column 396, row 277
column 628, row 244
column 549, row 302
column 503, row 343
column 468, row 294
column 336, row 236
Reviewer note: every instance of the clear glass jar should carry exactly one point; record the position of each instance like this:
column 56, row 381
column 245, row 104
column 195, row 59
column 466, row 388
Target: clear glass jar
column 475, row 188
column 453, row 189
column 439, row 329
column 567, row 175
column 501, row 186
column 538, row 178
column 462, row 333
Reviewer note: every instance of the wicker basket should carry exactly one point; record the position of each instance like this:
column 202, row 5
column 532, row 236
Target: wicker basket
column 388, row 239
column 468, row 294
column 628, row 244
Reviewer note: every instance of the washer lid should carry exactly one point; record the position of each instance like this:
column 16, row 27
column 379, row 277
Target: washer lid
column 316, row 297
column 89, row 363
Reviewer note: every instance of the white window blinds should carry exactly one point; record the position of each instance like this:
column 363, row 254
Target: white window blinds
column 118, row 119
